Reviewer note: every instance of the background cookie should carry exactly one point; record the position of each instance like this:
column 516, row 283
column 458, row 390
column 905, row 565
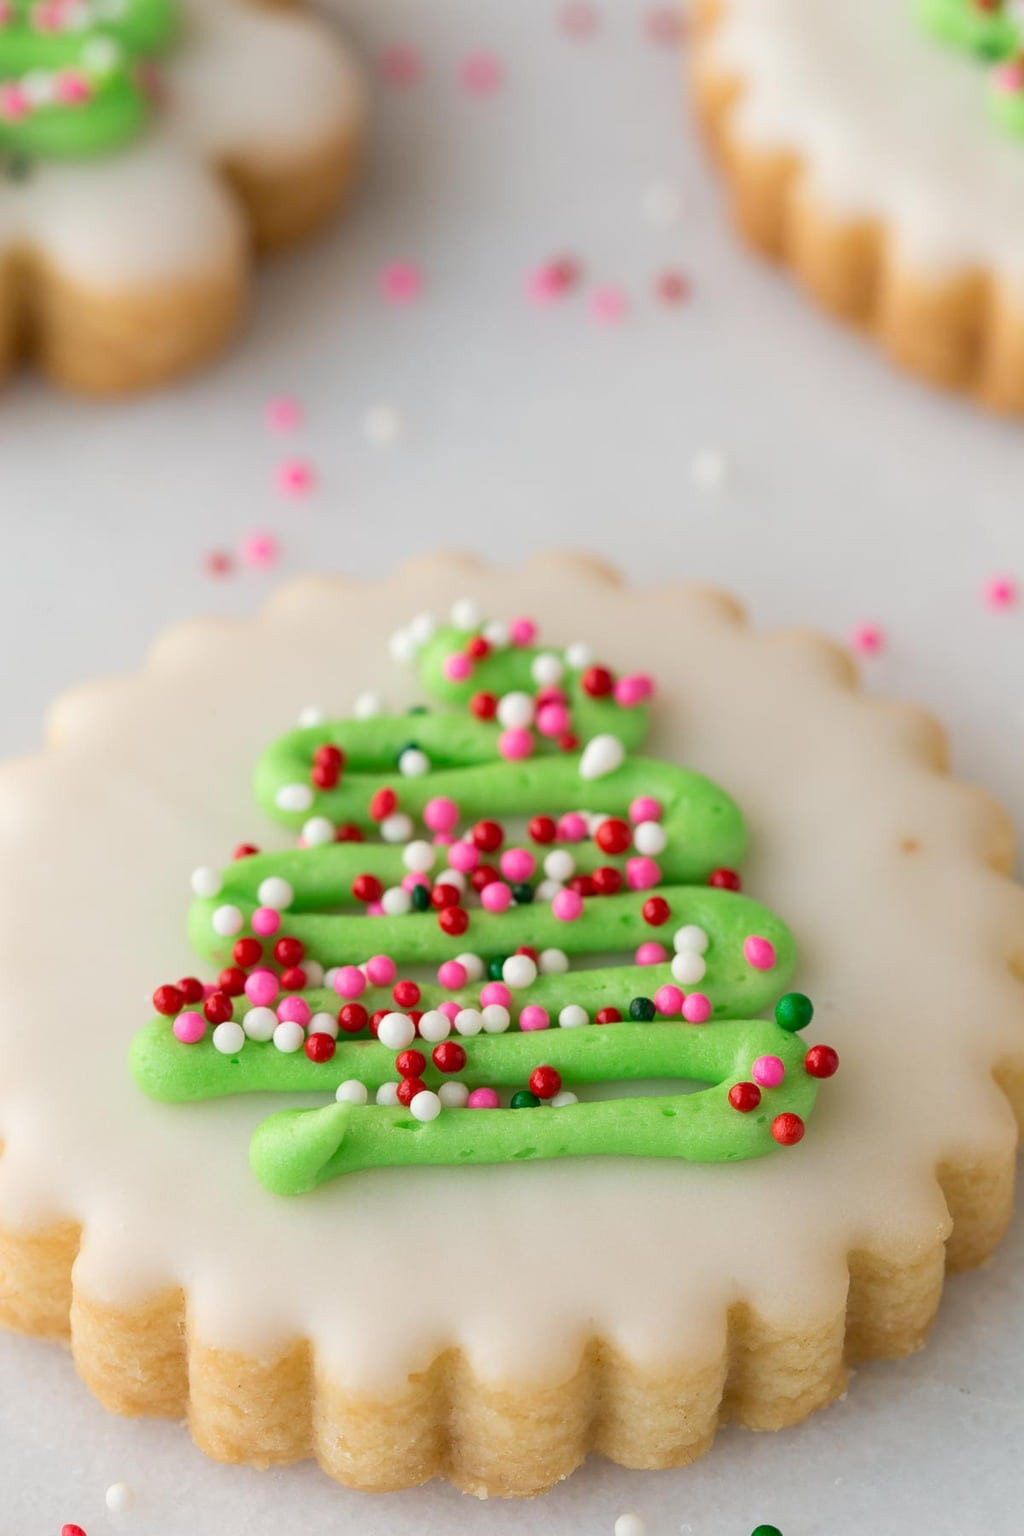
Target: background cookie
column 144, row 158
column 857, row 150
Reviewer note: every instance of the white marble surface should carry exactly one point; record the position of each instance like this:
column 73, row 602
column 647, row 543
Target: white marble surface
column 850, row 495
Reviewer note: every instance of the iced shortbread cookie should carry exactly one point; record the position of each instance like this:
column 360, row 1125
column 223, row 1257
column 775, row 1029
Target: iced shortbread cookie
column 860, row 149
column 479, row 1115
column 146, row 146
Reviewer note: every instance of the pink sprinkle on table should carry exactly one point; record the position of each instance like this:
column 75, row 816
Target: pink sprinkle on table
column 1000, row 592
column 672, row 287
column 608, row 305
column 481, row 74
column 401, row 64
column 400, row 282
column 578, row 18
column 283, row 414
column 260, row 550
column 664, row 25
column 219, row 563
column 868, row 639
column 295, row 477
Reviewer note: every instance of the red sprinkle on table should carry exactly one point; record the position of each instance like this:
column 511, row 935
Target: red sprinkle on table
column 821, row 1061
column 725, row 880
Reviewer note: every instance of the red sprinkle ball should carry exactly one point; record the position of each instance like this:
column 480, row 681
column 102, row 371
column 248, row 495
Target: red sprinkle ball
column 725, row 880
column 744, row 1097
column 821, row 1061
column 545, row 1082
column 607, row 1016
column 788, row 1129
column 320, row 1046
column 656, row 911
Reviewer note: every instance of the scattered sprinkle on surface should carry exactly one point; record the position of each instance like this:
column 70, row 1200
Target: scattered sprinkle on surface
column 481, row 74
column 119, row 1498
column 295, row 478
column 868, row 639
column 400, row 282
column 260, row 550
column 1000, row 592
column 401, row 64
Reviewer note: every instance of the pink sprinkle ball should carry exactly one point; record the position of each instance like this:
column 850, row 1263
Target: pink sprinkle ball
column 260, row 550
column 567, row 906
column 642, row 873
column 645, row 808
column 480, row 74
column 546, row 283
column 1000, row 592
column 457, row 667
column 440, row 814
column 294, row 1010
column 349, row 981
column 452, row 974
column 295, row 477
column 522, row 632
column 496, row 897
column 401, row 64
column 261, row 988
column 515, row 744
column 380, row 970
column 375, row 909
column 552, row 719
column 450, row 1010
column 483, row 1098
column 464, row 857
column 630, row 691
column 534, row 1017
column 413, row 879
column 759, row 952
column 696, row 1008
column 209, row 988
column 495, row 992
column 768, row 1071
column 572, row 828
column 868, row 639
column 443, row 839
column 517, row 864
column 669, row 1001
column 608, row 304
column 189, row 1028
column 283, row 414
column 651, row 953
column 265, row 921
column 400, row 282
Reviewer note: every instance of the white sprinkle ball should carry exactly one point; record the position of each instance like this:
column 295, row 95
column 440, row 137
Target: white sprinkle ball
column 515, row 711
column 560, row 864
column 314, row 973
column 260, row 1023
column 468, row 1021
column 275, row 892
column 351, row 1091
column 563, row 1099
column 630, row 1525
column 396, row 901
column 472, row 964
column 402, row 646
column 579, row 655
column 601, row 755
column 206, row 882
column 496, row 1019
column 496, row 634
column 413, row 763
column 419, row 856
column 573, row 1016
column 548, row 889
column 227, row 921
column 396, row 1031
column 329, row 976
column 423, row 628
column 688, row 967
column 294, row 797
column 453, row 1095
column 649, row 837
column 547, row 669
column 396, row 828
column 519, row 971
column 310, row 716
column 228, row 1038
column 708, row 469
column 367, row 705
column 553, row 962
column 289, row 1037
column 465, row 614
column 435, row 1026
column 426, row 1106
column 691, row 936
column 382, row 425
column 318, row 831
column 119, row 1498
column 453, row 877
column 387, row 1094
column 324, row 1024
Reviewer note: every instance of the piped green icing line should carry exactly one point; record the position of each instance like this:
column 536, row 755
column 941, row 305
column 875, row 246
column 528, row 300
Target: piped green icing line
column 294, row 1151
column 71, row 80
column 993, row 34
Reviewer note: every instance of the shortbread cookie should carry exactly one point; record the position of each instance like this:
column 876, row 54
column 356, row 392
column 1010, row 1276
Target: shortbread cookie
column 146, row 147
column 502, row 1233
column 858, row 149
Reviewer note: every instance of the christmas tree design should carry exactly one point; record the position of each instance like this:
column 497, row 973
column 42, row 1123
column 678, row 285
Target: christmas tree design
column 73, row 74
column 993, row 31
column 455, row 932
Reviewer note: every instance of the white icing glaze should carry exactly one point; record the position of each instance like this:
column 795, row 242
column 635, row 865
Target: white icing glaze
column 907, row 957
column 891, row 124
column 246, row 83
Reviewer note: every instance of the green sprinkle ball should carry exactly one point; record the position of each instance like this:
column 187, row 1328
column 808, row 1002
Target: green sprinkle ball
column 524, row 1099
column 793, row 1012
column 421, row 897
column 522, row 893
column 770, row 1530
column 642, row 1009
column 495, row 967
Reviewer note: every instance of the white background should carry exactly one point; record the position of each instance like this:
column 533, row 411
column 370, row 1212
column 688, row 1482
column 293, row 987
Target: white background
column 851, row 495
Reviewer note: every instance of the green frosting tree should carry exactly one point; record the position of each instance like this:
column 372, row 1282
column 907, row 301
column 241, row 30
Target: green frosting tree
column 446, row 887
column 993, row 31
